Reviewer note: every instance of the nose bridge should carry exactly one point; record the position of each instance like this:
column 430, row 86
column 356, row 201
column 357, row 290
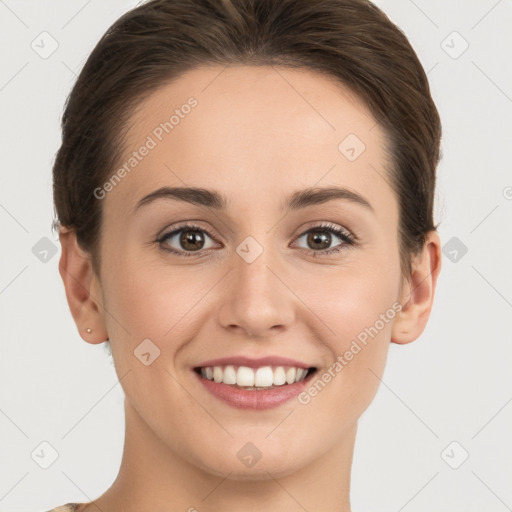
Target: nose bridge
column 252, row 267
column 257, row 299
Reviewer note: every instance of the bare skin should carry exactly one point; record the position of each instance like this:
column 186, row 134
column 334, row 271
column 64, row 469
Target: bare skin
column 256, row 136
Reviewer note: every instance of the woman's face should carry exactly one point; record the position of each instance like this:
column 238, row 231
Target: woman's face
column 251, row 278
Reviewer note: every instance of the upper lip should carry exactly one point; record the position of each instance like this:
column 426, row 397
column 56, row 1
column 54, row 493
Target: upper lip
column 254, row 362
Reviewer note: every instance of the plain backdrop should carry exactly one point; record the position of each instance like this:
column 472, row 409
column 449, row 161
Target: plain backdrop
column 437, row 436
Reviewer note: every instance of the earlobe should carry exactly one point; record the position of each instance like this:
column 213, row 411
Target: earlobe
column 76, row 271
column 418, row 296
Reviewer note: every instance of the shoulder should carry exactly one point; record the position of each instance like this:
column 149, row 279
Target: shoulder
column 68, row 507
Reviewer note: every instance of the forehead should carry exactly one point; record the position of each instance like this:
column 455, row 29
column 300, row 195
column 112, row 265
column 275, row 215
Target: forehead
column 255, row 129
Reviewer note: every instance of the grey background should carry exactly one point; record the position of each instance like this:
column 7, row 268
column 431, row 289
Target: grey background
column 443, row 397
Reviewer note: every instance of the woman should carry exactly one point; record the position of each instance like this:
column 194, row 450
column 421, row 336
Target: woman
column 244, row 195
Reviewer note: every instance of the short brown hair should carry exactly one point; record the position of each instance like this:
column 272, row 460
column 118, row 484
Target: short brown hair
column 350, row 40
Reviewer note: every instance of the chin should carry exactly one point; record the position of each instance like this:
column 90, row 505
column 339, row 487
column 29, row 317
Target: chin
column 242, row 461
column 261, row 471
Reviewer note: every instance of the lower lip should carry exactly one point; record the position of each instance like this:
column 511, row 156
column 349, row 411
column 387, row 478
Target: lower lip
column 254, row 398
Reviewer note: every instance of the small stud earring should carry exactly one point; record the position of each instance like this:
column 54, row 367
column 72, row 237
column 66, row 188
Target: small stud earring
column 89, row 330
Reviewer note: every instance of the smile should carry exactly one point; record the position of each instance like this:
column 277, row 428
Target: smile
column 264, row 377
column 257, row 388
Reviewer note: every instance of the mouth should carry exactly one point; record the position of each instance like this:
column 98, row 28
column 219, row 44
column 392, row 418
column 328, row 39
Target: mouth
column 255, row 388
column 260, row 378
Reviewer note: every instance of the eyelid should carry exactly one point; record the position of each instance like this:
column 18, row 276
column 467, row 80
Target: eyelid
column 190, row 224
column 319, row 225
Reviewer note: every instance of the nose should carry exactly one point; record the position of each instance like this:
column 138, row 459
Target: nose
column 257, row 300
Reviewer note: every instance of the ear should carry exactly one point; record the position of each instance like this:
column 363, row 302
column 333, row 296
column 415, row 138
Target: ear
column 418, row 293
column 82, row 287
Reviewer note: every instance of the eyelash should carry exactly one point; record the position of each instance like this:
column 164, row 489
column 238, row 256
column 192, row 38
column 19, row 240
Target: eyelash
column 347, row 238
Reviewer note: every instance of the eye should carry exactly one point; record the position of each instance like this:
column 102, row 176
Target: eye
column 320, row 238
column 189, row 238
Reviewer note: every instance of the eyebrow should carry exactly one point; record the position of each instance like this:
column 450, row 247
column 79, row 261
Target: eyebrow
column 215, row 200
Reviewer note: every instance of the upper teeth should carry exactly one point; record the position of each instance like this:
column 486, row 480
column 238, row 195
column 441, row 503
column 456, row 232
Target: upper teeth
column 265, row 376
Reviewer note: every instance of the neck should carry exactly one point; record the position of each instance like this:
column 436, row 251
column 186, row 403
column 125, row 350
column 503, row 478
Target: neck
column 152, row 477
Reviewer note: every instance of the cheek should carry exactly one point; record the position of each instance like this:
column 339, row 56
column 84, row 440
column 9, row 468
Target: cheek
column 168, row 305
column 351, row 298
column 149, row 302
column 358, row 309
